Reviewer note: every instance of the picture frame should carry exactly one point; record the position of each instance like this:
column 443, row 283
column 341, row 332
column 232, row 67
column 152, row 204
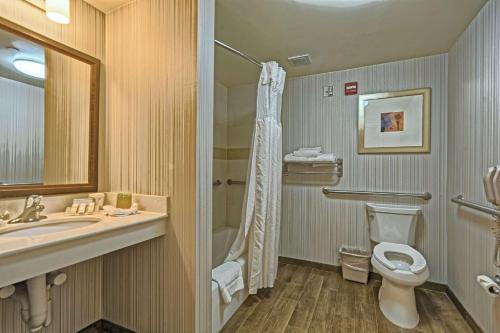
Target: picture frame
column 396, row 122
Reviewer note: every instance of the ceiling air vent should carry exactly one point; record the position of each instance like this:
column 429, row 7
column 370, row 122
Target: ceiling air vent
column 300, row 60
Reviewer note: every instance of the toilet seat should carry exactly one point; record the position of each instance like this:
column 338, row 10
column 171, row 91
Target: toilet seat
column 417, row 265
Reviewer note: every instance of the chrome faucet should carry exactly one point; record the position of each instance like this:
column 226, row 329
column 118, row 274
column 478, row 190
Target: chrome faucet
column 31, row 212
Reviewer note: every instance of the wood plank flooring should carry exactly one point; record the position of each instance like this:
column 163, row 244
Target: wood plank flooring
column 307, row 299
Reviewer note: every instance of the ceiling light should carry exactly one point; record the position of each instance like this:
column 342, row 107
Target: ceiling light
column 58, row 11
column 30, row 67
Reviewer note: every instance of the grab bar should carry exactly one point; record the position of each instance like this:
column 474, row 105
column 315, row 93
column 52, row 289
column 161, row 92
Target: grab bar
column 235, row 182
column 217, row 183
column 424, row 196
column 485, row 209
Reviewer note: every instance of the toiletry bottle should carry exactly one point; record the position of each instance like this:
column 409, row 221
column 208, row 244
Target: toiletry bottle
column 124, row 200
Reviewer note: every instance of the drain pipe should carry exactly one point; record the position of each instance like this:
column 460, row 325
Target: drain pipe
column 53, row 279
column 37, row 295
column 19, row 294
column 35, row 298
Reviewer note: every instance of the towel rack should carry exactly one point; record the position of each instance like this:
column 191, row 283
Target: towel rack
column 339, row 164
column 485, row 209
column 235, row 182
column 424, row 196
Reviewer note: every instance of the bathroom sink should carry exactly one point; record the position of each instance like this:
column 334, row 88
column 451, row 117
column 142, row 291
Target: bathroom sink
column 49, row 227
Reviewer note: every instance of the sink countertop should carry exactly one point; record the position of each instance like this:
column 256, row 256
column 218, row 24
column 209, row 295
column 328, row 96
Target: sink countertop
column 24, row 255
column 14, row 245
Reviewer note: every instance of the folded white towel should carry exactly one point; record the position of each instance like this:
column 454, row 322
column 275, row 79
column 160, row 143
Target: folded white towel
column 316, row 149
column 291, row 158
column 118, row 212
column 229, row 278
column 305, row 153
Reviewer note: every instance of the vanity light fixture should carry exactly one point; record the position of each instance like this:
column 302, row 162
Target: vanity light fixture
column 30, row 68
column 58, row 11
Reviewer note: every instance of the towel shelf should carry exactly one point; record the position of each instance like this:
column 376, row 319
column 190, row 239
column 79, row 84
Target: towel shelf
column 338, row 170
column 485, row 209
column 424, row 196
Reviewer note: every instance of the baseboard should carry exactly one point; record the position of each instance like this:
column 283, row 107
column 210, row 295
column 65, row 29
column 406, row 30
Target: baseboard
column 465, row 314
column 434, row 286
column 324, row 267
column 105, row 326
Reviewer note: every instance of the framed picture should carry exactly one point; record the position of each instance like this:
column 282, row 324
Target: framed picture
column 395, row 122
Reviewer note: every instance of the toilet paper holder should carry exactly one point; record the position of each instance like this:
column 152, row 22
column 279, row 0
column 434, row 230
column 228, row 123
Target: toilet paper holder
column 491, row 285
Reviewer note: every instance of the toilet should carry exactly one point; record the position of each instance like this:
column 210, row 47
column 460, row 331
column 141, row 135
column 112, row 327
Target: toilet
column 402, row 267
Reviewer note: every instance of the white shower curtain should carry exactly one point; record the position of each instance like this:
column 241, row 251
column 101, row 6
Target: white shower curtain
column 261, row 213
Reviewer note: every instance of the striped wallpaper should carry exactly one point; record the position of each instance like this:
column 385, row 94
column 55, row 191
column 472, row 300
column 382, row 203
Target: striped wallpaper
column 313, row 227
column 78, row 303
column 21, row 132
column 473, row 146
column 150, row 148
column 67, row 102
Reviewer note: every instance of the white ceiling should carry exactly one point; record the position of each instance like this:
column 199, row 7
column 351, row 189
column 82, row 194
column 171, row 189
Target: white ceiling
column 338, row 34
column 107, row 5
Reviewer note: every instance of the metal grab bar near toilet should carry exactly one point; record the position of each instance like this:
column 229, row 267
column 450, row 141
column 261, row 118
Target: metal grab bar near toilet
column 485, row 209
column 424, row 196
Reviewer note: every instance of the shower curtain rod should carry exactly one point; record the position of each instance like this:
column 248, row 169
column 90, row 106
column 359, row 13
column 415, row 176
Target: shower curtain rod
column 241, row 54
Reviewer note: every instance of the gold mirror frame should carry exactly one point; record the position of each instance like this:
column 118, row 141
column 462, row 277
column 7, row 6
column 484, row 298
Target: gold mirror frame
column 95, row 65
column 426, row 123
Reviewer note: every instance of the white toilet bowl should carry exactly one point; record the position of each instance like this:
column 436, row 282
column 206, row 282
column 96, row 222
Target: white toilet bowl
column 402, row 269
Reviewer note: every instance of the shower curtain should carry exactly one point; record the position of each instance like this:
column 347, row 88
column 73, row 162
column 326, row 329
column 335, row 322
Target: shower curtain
column 260, row 217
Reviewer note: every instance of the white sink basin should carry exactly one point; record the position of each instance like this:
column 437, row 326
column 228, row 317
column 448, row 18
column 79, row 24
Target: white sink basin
column 49, row 227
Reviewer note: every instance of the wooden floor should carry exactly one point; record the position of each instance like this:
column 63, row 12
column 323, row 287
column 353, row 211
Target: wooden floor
column 307, row 299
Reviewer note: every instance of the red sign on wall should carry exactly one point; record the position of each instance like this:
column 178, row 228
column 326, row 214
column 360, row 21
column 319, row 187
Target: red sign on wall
column 351, row 88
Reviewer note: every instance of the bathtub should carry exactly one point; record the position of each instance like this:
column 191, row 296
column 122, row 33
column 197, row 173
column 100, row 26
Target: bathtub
column 221, row 242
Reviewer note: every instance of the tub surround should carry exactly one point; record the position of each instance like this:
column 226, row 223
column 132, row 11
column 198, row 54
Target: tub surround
column 221, row 312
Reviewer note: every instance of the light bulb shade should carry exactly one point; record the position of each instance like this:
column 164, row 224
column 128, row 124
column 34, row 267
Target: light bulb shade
column 58, row 10
column 30, row 68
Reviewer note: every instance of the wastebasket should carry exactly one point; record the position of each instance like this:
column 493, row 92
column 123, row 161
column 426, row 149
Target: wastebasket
column 355, row 264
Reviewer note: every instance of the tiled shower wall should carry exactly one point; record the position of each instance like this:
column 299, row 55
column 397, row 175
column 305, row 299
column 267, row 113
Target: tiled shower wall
column 474, row 136
column 233, row 126
column 219, row 218
column 241, row 118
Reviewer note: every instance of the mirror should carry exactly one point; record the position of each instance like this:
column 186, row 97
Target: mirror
column 49, row 97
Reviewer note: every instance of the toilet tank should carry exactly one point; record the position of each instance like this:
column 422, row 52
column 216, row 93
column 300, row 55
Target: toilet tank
column 393, row 223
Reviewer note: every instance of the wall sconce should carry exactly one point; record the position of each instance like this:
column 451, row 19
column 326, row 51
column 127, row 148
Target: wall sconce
column 56, row 10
